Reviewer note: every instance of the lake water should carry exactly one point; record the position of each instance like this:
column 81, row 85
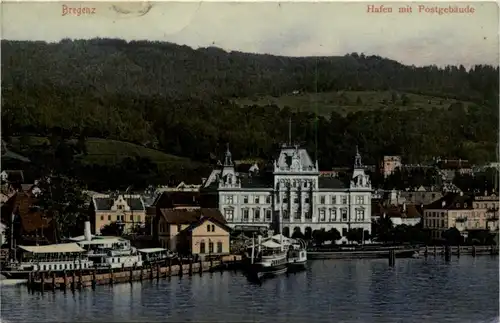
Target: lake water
column 415, row 290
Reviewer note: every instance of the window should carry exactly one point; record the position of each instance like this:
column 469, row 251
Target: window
column 245, row 215
column 179, row 228
column 219, row 247
column 322, row 215
column 360, row 200
column 268, row 199
column 306, row 200
column 322, row 199
column 333, row 214
column 208, row 227
column 229, row 214
column 297, row 215
column 360, row 214
column 344, row 214
column 308, row 215
column 257, row 215
column 210, row 247
column 285, row 200
column 334, row 200
column 245, row 199
column 257, row 200
column 296, row 200
column 229, row 199
column 213, row 228
column 202, row 247
column 268, row 215
column 120, row 207
column 344, row 232
column 131, row 217
column 286, row 215
column 344, row 199
column 109, row 217
column 102, row 217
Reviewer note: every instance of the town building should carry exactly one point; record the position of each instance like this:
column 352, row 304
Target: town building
column 389, row 164
column 124, row 209
column 291, row 193
column 201, row 231
column 405, row 214
column 461, row 211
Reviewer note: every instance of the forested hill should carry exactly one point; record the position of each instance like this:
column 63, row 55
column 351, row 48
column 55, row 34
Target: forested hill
column 157, row 68
column 182, row 101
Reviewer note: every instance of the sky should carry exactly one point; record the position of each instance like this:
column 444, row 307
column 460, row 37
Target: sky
column 290, row 29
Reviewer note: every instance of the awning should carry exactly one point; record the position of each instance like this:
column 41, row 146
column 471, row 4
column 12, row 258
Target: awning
column 54, row 248
column 270, row 244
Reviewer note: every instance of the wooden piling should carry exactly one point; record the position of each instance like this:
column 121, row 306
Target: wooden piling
column 158, row 271
column 435, row 251
column 65, row 277
column 53, row 282
column 150, row 272
column 426, row 252
column 142, row 274
column 458, row 251
column 30, row 280
column 190, row 266
column 181, row 268
column 73, row 280
column 131, row 275
column 111, row 278
column 169, row 267
column 447, row 253
column 392, row 258
column 473, row 251
column 43, row 282
column 94, row 279
column 221, row 265
column 80, row 280
column 211, row 265
column 492, row 252
column 200, row 269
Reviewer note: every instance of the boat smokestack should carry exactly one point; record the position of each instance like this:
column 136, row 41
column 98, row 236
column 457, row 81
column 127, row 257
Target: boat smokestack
column 87, row 233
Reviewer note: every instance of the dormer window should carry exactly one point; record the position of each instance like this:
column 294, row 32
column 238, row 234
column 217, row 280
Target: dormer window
column 120, row 207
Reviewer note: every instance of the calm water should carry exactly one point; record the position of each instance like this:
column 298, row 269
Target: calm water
column 416, row 290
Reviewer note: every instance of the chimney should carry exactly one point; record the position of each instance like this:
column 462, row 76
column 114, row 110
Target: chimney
column 461, row 193
column 87, row 233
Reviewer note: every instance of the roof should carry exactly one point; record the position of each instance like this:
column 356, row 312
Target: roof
column 105, row 203
column 172, row 199
column 452, row 201
column 330, row 182
column 31, row 218
column 151, row 250
column 260, row 181
column 396, row 211
column 287, row 155
column 54, row 248
column 14, row 176
column 202, row 220
column 186, row 216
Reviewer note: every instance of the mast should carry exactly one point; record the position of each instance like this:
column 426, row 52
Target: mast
column 253, row 248
column 281, row 228
column 290, row 131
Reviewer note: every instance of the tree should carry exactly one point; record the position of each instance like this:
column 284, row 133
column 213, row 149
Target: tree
column 382, row 229
column 62, row 199
column 297, row 235
column 113, row 229
column 333, row 235
column 405, row 100
column 319, row 236
column 453, row 236
column 359, row 101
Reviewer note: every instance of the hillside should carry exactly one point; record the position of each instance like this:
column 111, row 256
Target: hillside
column 191, row 103
column 345, row 102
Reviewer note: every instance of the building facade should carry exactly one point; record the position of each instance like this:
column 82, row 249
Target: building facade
column 125, row 209
column 464, row 212
column 389, row 164
column 292, row 195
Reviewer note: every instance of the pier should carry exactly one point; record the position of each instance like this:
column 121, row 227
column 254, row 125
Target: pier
column 459, row 250
column 75, row 280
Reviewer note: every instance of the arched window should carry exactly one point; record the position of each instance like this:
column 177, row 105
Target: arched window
column 219, row 247
column 202, row 247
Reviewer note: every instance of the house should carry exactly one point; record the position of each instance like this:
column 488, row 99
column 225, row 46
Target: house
column 291, row 193
column 192, row 230
column 125, row 209
column 461, row 211
column 389, row 164
column 406, row 214
column 422, row 195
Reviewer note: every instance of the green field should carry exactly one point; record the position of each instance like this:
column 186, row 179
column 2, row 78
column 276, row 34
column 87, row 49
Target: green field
column 344, row 102
column 106, row 151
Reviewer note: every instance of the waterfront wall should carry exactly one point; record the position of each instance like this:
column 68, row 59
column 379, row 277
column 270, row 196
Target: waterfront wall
column 78, row 280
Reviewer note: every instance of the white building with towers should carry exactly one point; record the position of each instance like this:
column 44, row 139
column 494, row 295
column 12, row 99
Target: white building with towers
column 291, row 192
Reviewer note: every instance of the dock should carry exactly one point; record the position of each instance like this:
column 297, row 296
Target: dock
column 460, row 250
column 76, row 280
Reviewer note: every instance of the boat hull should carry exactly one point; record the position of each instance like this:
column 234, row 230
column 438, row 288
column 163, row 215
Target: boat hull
column 297, row 265
column 258, row 271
